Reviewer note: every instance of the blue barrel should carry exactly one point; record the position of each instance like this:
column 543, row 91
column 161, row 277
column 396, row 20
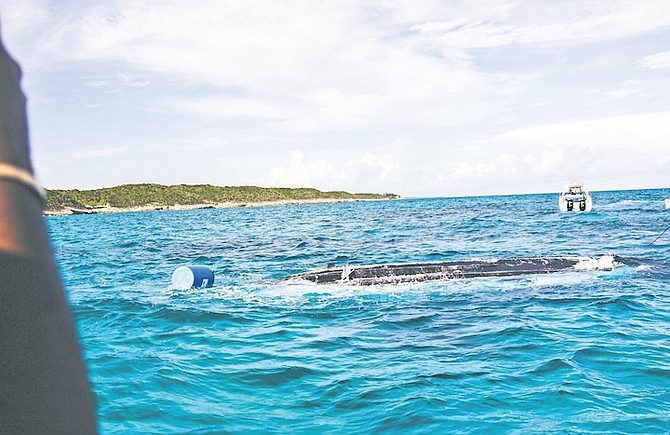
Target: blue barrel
column 186, row 277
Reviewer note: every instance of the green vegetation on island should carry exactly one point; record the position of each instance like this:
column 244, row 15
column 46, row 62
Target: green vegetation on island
column 157, row 195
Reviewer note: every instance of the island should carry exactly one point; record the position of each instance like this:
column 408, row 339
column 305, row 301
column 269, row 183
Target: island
column 157, row 197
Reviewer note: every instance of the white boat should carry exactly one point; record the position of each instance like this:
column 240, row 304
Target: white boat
column 575, row 197
column 667, row 203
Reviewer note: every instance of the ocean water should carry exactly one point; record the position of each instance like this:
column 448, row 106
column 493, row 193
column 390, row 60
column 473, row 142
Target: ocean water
column 574, row 352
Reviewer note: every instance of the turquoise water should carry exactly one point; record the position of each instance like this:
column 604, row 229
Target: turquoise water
column 575, row 352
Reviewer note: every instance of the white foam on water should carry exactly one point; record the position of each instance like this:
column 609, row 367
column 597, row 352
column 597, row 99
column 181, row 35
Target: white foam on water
column 560, row 279
column 606, row 262
column 627, row 204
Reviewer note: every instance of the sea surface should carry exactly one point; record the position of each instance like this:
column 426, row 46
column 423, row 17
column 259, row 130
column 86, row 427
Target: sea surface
column 573, row 352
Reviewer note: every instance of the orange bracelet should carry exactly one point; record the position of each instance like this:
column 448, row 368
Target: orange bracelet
column 20, row 175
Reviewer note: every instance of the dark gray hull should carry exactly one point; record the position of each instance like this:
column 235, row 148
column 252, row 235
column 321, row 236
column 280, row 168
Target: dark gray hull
column 396, row 273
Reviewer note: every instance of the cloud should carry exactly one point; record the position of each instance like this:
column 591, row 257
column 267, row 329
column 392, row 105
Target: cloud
column 655, row 61
column 482, row 93
column 227, row 107
column 631, row 147
column 22, row 18
column 98, row 153
column 622, row 93
column 319, row 67
column 300, row 173
column 368, row 171
column 310, row 67
column 134, row 82
column 540, row 22
column 224, row 42
column 642, row 132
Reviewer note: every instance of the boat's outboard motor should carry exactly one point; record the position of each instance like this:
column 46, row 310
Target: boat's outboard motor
column 570, row 205
column 582, row 204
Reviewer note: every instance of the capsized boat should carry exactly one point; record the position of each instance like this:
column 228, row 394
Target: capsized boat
column 414, row 272
column 575, row 197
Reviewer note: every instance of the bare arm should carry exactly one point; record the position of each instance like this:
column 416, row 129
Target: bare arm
column 43, row 382
column 21, row 227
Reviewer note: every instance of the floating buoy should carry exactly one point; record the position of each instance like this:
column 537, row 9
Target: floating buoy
column 186, row 277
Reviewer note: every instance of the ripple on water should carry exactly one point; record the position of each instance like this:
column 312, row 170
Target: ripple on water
column 582, row 352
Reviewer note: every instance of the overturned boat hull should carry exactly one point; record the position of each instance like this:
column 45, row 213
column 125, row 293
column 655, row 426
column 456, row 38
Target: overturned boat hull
column 410, row 272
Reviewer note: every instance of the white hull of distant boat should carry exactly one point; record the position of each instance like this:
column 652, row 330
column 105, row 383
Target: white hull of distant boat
column 575, row 198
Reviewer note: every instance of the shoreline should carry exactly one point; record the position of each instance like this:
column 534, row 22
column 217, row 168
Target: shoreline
column 70, row 211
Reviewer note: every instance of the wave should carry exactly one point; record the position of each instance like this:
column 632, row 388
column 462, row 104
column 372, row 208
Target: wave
column 625, row 204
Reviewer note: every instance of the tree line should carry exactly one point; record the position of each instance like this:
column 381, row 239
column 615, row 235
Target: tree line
column 139, row 195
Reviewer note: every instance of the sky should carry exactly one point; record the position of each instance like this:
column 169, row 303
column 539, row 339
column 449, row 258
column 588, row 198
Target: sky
column 418, row 98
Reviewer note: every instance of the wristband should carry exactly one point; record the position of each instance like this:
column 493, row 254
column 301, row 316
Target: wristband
column 20, row 175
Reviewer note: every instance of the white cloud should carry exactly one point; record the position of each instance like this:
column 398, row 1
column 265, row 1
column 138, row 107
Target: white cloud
column 21, row 18
column 368, row 171
column 300, row 173
column 98, row 153
column 656, row 61
column 483, row 93
column 134, row 82
column 325, row 66
column 385, row 162
column 647, row 131
column 623, row 93
column 555, row 23
column 632, row 147
column 98, row 84
column 227, row 107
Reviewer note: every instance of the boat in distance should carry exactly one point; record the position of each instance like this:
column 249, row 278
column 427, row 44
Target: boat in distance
column 575, row 197
column 414, row 272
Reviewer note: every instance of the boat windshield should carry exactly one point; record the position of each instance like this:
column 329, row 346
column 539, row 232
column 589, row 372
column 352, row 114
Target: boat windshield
column 575, row 190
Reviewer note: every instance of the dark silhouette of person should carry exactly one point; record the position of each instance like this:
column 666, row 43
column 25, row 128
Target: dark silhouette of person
column 44, row 387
